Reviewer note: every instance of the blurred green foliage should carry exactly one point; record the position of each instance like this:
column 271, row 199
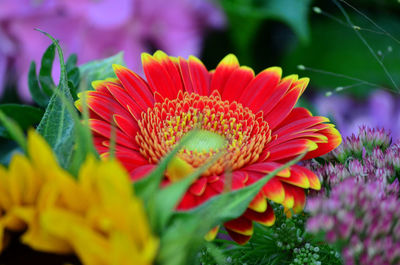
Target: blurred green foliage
column 289, row 33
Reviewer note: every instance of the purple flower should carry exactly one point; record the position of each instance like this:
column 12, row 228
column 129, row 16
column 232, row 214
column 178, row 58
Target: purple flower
column 382, row 109
column 368, row 228
column 98, row 29
column 367, row 157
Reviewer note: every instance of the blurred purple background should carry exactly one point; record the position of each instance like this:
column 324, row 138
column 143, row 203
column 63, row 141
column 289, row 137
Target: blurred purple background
column 96, row 29
column 380, row 109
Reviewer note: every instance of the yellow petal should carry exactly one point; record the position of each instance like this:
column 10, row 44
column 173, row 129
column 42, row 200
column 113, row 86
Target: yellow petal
column 41, row 154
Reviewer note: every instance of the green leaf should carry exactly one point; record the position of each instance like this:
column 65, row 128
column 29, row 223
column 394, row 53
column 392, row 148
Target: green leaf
column 23, row 115
column 186, row 229
column 45, row 78
column 147, row 187
column 73, row 75
column 14, row 130
column 57, row 125
column 99, row 70
column 34, row 88
column 165, row 200
column 71, row 62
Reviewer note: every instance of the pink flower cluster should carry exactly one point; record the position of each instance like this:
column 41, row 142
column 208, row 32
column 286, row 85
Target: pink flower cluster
column 97, row 29
column 358, row 205
column 366, row 224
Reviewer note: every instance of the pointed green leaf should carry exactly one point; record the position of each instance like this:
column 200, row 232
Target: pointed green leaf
column 45, row 78
column 57, row 125
column 34, row 88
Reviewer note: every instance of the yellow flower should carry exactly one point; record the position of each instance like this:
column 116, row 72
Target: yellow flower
column 96, row 216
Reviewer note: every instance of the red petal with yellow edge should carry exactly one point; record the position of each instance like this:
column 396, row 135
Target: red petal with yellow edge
column 290, row 149
column 300, row 125
column 158, row 77
column 288, row 202
column 100, row 87
column 312, row 177
column 99, row 145
column 267, row 167
column 298, row 195
column 239, row 179
column 223, row 71
column 199, row 186
column 141, row 172
column 297, row 178
column 104, row 129
column 259, row 203
column 105, row 107
column 302, row 82
column 125, row 100
column 283, row 108
column 128, row 126
column 199, row 76
column 237, row 83
column 185, row 74
column 130, row 160
column 296, row 114
column 308, row 134
column 170, row 65
column 278, row 92
column 334, row 140
column 135, row 86
column 266, row 218
column 274, row 191
column 217, row 185
column 212, row 234
column 261, row 88
column 238, row 238
column 240, row 225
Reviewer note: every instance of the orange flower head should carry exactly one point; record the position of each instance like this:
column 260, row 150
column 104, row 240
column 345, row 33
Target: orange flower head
column 252, row 118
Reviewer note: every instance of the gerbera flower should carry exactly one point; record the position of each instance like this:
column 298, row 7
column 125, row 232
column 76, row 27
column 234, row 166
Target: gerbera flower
column 96, row 216
column 254, row 115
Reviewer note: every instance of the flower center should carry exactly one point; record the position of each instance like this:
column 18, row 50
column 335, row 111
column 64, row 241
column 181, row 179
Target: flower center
column 223, row 125
column 204, row 141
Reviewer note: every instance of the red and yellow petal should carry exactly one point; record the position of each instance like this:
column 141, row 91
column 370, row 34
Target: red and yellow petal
column 299, row 197
column 240, row 225
column 223, row 72
column 266, row 218
column 312, row 177
column 274, row 190
column 297, row 178
column 135, row 87
column 259, row 203
column 334, row 140
column 237, row 83
column 212, row 234
column 158, row 77
column 261, row 88
column 238, row 238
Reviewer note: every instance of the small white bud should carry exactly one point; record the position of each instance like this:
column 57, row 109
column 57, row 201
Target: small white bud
column 339, row 88
column 301, row 67
column 318, row 10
